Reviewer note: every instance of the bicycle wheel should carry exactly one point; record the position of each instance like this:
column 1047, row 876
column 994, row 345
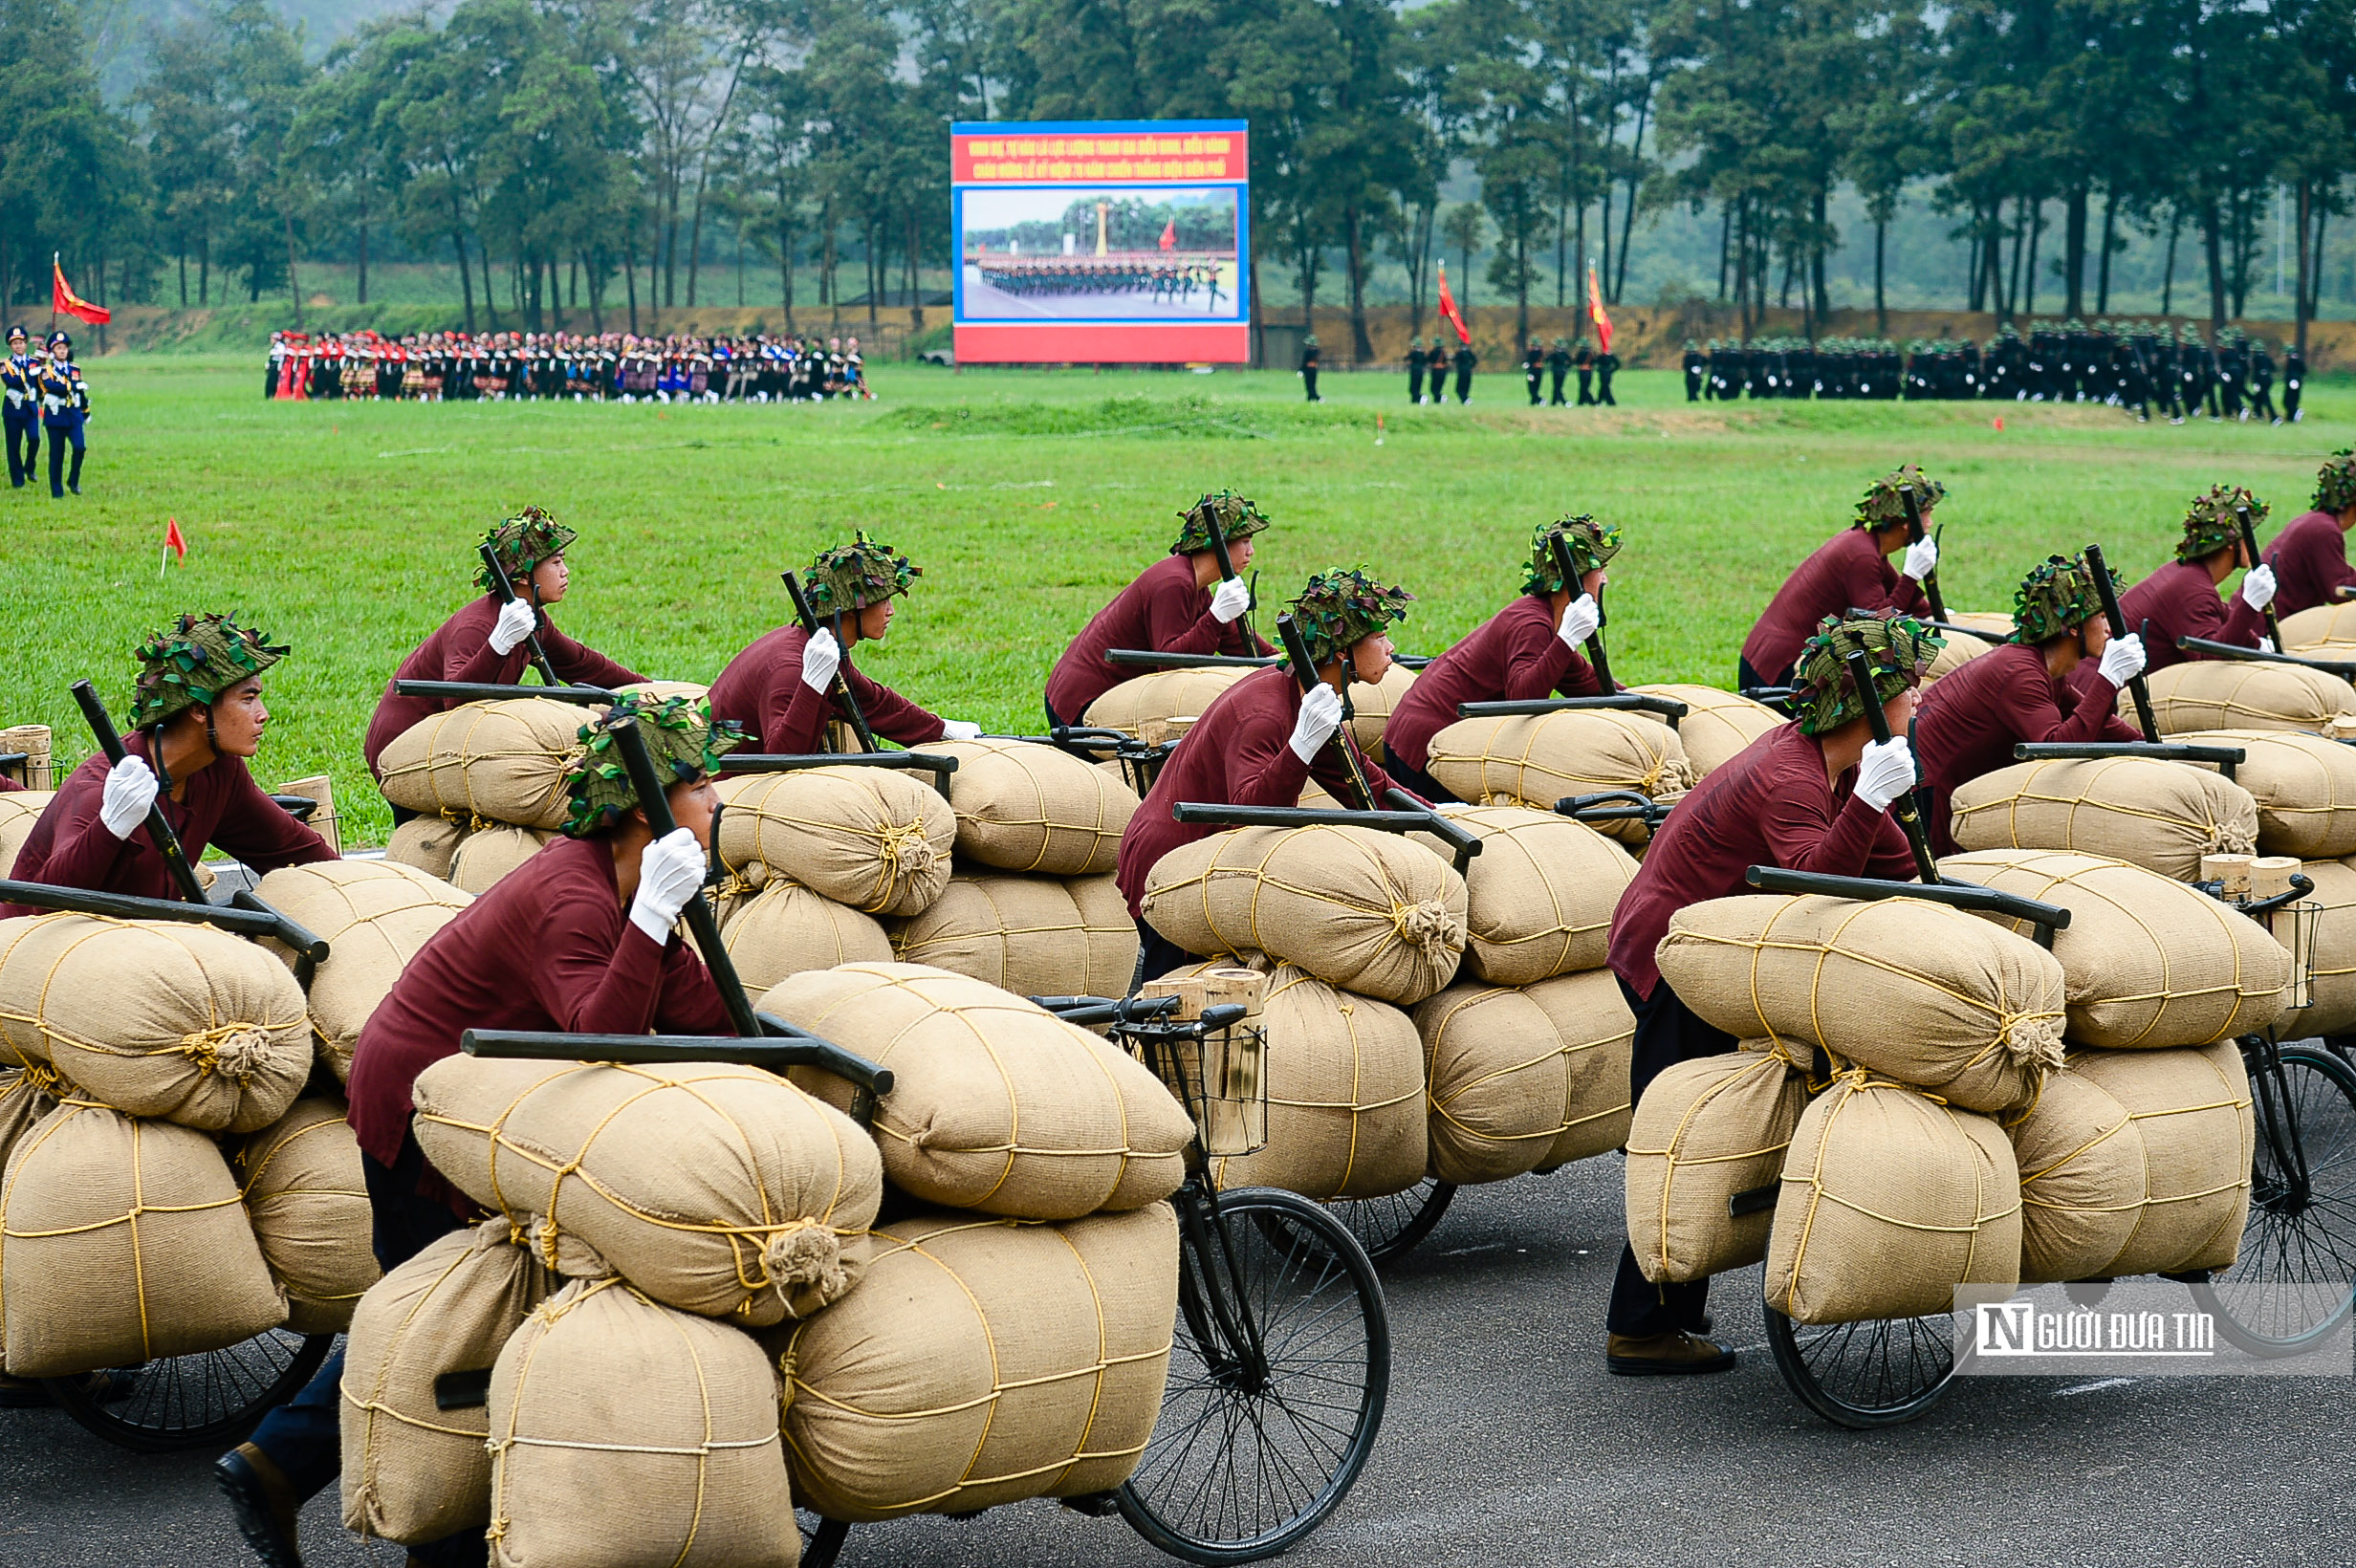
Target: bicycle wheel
column 1881, row 1372
column 188, row 1402
column 1392, row 1226
column 2301, row 1229
column 1278, row 1377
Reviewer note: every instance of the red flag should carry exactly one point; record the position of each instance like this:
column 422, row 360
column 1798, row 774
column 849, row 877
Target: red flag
column 1447, row 309
column 66, row 302
column 173, row 539
column 1169, row 235
column 1595, row 311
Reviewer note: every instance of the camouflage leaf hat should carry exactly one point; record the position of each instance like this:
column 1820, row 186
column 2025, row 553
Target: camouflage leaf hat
column 2058, row 595
column 1882, row 504
column 1342, row 604
column 2335, row 486
column 1592, row 544
column 2214, row 522
column 682, row 737
column 1238, row 516
column 1898, row 649
column 857, row 575
column 522, row 542
column 194, row 661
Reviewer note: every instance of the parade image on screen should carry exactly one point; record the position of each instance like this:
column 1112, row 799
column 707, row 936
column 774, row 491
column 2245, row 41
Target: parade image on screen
column 1100, row 241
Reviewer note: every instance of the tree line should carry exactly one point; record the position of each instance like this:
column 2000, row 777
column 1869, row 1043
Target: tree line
column 582, row 153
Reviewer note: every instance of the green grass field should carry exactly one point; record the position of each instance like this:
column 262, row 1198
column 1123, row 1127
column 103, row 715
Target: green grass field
column 1029, row 497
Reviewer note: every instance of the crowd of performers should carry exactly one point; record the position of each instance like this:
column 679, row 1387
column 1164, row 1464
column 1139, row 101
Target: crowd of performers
column 588, row 940
column 45, row 396
column 615, row 367
column 2138, row 365
column 1164, row 278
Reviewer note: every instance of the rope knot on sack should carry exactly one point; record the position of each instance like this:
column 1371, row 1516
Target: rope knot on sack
column 234, row 1051
column 903, row 847
column 1429, row 928
column 2032, row 1039
column 2232, row 838
column 805, row 1253
column 566, row 1253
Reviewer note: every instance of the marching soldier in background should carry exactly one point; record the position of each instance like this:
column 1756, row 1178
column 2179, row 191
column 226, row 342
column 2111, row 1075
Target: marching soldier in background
column 1177, row 606
column 1606, row 366
column 65, row 408
column 1465, row 359
column 2309, row 557
column 1533, row 370
column 2293, row 381
column 1308, row 366
column 1696, row 371
column 2261, row 383
column 1415, row 370
column 1559, row 364
column 2180, row 599
column 1849, row 572
column 1582, row 361
column 18, row 376
column 1812, row 795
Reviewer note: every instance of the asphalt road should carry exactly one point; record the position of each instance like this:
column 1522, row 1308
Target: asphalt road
column 1506, row 1444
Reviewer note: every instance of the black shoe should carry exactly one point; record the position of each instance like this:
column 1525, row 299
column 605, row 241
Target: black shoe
column 1663, row 1355
column 74, row 488
column 264, row 1504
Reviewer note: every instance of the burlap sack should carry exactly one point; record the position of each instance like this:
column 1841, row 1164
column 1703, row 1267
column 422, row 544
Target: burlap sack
column 2333, row 1009
column 502, row 761
column 2242, row 694
column 2162, row 816
column 2082, row 1179
column 123, row 1241
column 996, row 1104
column 156, row 1019
column 488, row 854
column 1347, row 1113
column 984, row 1362
column 2193, row 1109
column 413, row 1471
column 1024, row 807
column 1889, row 1201
column 19, row 811
column 1705, row 1130
column 2321, row 623
column 1516, row 1078
column 373, row 916
column 660, row 690
column 717, row 1189
column 774, row 927
column 1163, row 694
column 304, row 1192
column 2304, row 787
column 1035, row 936
column 1933, row 998
column 25, row 1098
column 2146, row 961
column 1718, row 726
column 1536, row 761
column 1354, row 906
column 1961, row 650
column 1540, row 896
column 626, row 1435
column 875, row 838
column 426, row 842
column 1372, row 706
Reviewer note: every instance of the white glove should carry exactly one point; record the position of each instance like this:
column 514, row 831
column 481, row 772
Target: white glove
column 2257, row 587
column 2265, row 645
column 1320, row 715
column 130, row 790
column 1579, row 619
column 960, row 729
column 1922, row 556
column 2122, row 659
column 670, row 871
column 1885, row 772
column 1229, row 599
column 515, row 624
column 820, row 657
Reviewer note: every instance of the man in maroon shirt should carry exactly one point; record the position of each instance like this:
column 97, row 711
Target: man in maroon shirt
column 1972, row 718
column 781, row 688
column 1849, row 572
column 489, row 642
column 1810, row 796
column 1178, row 605
column 586, row 944
column 198, row 713
column 2310, row 556
column 1527, row 650
column 2180, row 599
column 1263, row 738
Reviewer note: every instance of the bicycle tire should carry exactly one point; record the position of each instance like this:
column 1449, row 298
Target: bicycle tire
column 1316, row 1406
column 2296, row 1237
column 1395, row 1225
column 1879, row 1372
column 191, row 1402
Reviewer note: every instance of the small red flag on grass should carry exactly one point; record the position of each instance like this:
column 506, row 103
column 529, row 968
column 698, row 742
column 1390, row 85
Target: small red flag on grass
column 175, row 545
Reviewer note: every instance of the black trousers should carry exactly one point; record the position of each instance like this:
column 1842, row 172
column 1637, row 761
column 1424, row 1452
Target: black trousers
column 1308, row 381
column 1415, row 384
column 1666, row 1034
column 1586, row 389
column 1603, row 390
column 1538, row 382
column 1464, row 386
column 24, row 426
column 1415, row 779
column 1157, row 955
column 62, row 432
column 1558, row 400
column 1693, row 387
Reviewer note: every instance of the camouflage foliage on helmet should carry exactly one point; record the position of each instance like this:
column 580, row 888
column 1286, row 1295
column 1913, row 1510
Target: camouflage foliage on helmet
column 2335, row 486
column 682, row 738
column 522, row 542
column 1592, row 544
column 1897, row 648
column 2058, row 595
column 857, row 575
column 1882, row 504
column 2214, row 522
column 1341, row 605
column 193, row 660
column 1238, row 517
